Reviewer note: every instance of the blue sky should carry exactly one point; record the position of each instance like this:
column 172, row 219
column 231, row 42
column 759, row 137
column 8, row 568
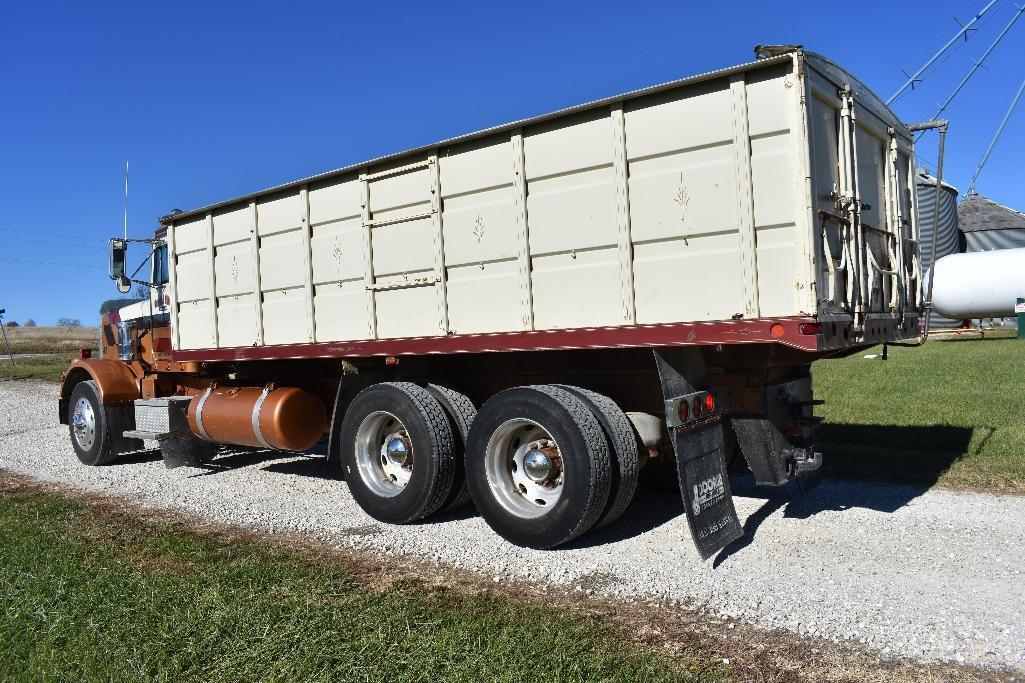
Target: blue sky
column 212, row 100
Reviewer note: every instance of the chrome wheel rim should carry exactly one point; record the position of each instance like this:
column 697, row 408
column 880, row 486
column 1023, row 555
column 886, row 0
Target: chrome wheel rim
column 384, row 454
column 525, row 468
column 83, row 424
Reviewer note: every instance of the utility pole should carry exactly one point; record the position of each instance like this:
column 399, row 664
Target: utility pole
column 7, row 343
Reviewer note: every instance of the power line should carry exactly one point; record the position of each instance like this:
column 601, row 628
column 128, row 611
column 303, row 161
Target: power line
column 47, row 263
column 56, row 244
column 978, row 64
column 58, row 235
column 963, row 32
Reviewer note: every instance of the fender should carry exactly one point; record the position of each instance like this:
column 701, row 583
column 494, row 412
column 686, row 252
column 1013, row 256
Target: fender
column 350, row 384
column 115, row 380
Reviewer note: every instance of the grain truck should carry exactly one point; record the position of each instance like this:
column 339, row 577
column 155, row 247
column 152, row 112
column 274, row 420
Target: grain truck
column 533, row 316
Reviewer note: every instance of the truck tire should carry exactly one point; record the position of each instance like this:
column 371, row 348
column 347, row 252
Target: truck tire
column 397, row 452
column 538, row 466
column 461, row 412
column 90, row 426
column 624, row 449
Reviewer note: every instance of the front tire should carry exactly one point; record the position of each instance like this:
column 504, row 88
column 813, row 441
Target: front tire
column 90, row 426
column 538, row 466
column 398, row 452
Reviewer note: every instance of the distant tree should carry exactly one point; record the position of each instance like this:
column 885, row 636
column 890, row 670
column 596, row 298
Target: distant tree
column 30, row 323
column 70, row 323
column 142, row 291
column 13, row 323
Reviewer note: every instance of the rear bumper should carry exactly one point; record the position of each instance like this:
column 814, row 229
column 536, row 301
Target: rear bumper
column 839, row 333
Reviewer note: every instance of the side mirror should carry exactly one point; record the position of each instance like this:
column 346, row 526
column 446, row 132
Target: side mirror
column 118, row 253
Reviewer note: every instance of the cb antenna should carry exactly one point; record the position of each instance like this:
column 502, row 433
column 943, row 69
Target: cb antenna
column 126, row 199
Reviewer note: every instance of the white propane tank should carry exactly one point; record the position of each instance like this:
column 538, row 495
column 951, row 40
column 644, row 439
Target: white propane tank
column 980, row 284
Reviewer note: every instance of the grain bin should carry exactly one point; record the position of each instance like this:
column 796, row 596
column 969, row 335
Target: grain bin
column 989, row 225
column 949, row 239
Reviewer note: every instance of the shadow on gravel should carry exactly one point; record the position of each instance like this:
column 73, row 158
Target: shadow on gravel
column 834, row 495
column 649, row 510
column 138, row 457
column 830, row 495
column 238, row 459
column 304, row 466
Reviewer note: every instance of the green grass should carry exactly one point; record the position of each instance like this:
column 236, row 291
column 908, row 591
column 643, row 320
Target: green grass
column 46, row 367
column 58, row 347
column 951, row 412
column 87, row 593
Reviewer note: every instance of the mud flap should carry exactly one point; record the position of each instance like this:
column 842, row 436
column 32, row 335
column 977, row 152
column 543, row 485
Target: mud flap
column 764, row 447
column 186, row 451
column 705, row 486
column 700, row 458
column 772, row 458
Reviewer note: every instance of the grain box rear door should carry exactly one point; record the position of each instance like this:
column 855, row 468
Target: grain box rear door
column 862, row 208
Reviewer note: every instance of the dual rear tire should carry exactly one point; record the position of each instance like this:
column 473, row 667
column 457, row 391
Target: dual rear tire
column 543, row 464
column 539, row 469
column 399, row 459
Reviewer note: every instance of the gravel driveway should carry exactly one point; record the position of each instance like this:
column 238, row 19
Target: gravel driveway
column 931, row 574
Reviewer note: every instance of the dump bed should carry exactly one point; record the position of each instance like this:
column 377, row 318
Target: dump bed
column 774, row 190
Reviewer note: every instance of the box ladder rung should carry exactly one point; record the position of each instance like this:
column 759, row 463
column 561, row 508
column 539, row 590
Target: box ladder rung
column 398, row 170
column 378, row 222
column 404, row 284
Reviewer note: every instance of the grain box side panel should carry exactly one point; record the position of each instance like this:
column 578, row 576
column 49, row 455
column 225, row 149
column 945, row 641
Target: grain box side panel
column 195, row 319
column 670, row 206
column 775, row 143
column 685, row 220
column 572, row 221
column 403, row 252
column 480, row 236
column 283, row 266
column 235, row 276
column 338, row 257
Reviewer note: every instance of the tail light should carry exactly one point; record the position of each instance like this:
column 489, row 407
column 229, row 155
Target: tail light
column 811, row 328
column 691, row 408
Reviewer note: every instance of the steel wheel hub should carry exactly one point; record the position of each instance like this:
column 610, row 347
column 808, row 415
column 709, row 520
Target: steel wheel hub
column 524, row 467
column 537, row 466
column 397, row 449
column 384, row 454
column 83, row 424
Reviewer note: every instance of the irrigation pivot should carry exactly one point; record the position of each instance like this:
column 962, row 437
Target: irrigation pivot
column 6, row 343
